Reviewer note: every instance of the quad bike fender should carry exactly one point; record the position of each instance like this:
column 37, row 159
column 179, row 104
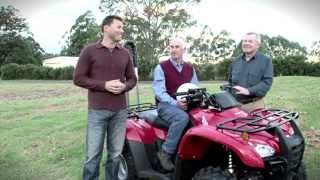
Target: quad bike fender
column 198, row 140
column 142, row 132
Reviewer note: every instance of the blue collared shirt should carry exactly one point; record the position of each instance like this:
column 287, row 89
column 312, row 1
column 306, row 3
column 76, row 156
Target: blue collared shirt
column 159, row 83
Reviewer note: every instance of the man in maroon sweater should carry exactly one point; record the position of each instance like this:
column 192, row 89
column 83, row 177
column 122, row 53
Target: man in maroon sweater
column 105, row 68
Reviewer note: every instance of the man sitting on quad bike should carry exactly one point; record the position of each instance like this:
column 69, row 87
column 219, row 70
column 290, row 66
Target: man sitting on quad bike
column 168, row 76
column 251, row 74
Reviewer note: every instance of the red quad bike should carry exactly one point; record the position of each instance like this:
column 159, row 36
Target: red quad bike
column 221, row 142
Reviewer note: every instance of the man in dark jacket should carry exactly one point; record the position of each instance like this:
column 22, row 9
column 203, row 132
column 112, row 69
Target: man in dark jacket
column 251, row 74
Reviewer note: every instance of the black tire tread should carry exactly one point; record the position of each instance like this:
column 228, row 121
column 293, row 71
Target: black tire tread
column 211, row 173
column 132, row 172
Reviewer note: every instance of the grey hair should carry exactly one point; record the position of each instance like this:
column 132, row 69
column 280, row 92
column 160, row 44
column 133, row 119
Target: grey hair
column 258, row 36
column 179, row 40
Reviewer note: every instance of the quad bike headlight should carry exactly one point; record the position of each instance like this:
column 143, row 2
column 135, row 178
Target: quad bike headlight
column 262, row 149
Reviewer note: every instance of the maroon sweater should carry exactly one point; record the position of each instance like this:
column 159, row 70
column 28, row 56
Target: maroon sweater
column 96, row 65
column 174, row 78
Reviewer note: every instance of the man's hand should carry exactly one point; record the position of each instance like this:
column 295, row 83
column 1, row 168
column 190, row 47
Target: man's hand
column 241, row 90
column 114, row 86
column 182, row 104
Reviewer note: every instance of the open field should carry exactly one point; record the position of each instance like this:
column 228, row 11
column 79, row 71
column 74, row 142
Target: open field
column 42, row 124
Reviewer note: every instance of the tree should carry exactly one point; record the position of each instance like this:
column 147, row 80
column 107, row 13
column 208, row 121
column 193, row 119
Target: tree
column 277, row 47
column 84, row 31
column 149, row 23
column 16, row 42
column 290, row 66
column 282, row 47
column 210, row 47
column 10, row 21
column 18, row 49
column 315, row 50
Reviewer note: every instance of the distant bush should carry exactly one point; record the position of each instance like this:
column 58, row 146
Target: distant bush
column 205, row 72
column 313, row 69
column 13, row 71
column 283, row 66
column 64, row 73
column 223, row 69
column 295, row 66
column 290, row 65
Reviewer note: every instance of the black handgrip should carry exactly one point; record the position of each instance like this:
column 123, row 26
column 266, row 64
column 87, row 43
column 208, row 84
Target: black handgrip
column 191, row 91
column 181, row 94
column 226, row 87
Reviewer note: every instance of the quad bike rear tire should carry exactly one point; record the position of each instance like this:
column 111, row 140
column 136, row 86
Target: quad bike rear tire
column 126, row 153
column 211, row 173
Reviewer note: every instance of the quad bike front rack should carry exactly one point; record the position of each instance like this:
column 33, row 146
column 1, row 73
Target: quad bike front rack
column 260, row 120
column 291, row 147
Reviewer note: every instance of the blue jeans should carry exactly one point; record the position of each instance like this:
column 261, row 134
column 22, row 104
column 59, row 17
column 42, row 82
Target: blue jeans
column 178, row 120
column 101, row 124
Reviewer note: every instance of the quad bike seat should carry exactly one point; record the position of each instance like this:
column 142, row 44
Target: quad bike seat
column 151, row 116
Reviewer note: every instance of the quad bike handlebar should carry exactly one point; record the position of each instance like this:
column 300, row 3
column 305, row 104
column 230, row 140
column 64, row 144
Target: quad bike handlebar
column 192, row 92
column 193, row 95
column 199, row 97
column 229, row 88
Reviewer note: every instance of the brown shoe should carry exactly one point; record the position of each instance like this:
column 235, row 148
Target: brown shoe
column 165, row 160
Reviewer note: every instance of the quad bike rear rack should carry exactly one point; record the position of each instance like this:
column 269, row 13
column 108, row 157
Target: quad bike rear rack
column 260, row 120
column 135, row 109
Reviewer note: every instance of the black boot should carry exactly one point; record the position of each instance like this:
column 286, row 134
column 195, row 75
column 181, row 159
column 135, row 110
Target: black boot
column 165, row 160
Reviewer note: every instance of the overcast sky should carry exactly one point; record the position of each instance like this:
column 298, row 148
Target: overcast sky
column 296, row 20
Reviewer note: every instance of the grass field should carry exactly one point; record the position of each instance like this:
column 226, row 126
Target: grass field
column 42, row 125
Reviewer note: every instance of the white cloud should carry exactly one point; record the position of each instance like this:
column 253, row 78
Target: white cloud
column 49, row 20
column 241, row 16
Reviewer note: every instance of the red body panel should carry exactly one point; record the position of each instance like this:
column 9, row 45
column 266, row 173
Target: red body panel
column 202, row 136
column 141, row 131
column 204, row 133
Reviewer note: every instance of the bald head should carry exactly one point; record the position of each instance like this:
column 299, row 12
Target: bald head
column 179, row 41
column 177, row 48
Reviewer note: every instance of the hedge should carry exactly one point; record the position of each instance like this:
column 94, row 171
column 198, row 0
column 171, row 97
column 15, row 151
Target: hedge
column 14, row 71
column 283, row 66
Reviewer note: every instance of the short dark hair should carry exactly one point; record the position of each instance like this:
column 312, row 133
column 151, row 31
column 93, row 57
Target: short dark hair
column 109, row 19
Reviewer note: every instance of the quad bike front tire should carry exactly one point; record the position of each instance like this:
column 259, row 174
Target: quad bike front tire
column 300, row 174
column 211, row 173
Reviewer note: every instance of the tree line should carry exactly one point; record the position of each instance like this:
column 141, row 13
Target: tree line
column 149, row 24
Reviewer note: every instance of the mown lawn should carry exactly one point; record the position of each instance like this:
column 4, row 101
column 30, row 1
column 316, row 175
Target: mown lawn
column 42, row 124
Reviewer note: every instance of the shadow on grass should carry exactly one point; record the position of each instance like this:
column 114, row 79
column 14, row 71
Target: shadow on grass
column 312, row 160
